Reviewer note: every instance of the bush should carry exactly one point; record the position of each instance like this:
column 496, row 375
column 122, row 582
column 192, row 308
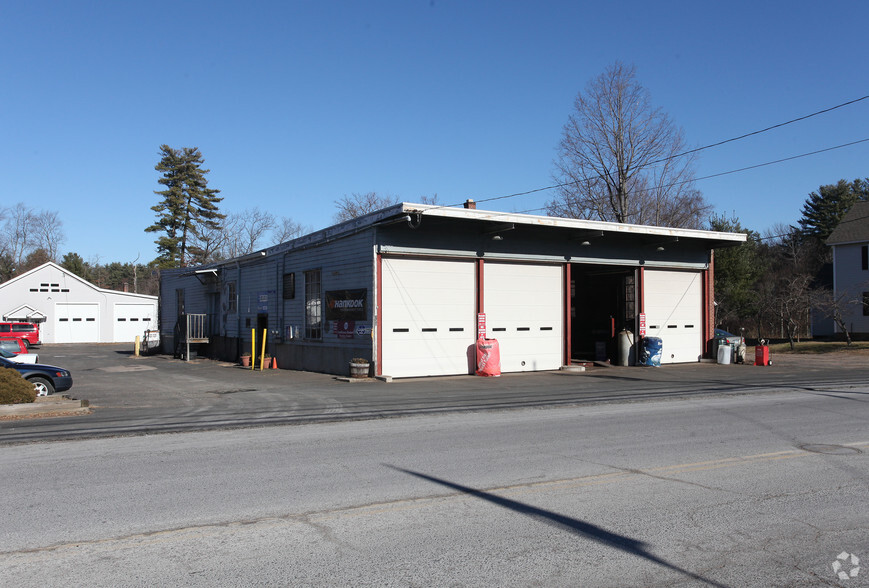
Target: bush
column 14, row 389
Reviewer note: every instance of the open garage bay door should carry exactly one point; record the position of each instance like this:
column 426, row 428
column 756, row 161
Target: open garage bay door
column 524, row 312
column 428, row 317
column 673, row 305
column 76, row 323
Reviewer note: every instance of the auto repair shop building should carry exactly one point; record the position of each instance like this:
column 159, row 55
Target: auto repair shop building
column 403, row 287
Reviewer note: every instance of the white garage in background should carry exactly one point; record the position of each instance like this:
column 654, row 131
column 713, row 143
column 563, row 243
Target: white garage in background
column 428, row 317
column 674, row 312
column 69, row 309
column 133, row 319
column 524, row 305
column 76, row 323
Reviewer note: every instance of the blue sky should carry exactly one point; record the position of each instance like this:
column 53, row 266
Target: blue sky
column 296, row 104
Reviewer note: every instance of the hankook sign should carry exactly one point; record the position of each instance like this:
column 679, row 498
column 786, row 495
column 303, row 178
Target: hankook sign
column 347, row 305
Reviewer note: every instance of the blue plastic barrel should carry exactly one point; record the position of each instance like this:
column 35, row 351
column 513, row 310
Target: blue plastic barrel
column 652, row 348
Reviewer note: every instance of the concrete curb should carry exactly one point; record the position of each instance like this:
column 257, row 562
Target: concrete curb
column 45, row 407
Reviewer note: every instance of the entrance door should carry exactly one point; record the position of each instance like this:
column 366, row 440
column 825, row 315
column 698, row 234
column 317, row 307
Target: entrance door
column 673, row 304
column 601, row 304
column 428, row 317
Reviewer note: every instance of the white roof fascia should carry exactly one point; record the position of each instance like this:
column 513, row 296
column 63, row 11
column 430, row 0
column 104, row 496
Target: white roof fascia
column 837, row 243
column 569, row 223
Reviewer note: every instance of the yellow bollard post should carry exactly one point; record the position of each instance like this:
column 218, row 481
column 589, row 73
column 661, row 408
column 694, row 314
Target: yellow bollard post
column 252, row 348
column 262, row 357
column 136, row 346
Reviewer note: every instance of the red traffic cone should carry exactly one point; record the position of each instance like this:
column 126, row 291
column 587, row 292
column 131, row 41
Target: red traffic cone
column 274, row 363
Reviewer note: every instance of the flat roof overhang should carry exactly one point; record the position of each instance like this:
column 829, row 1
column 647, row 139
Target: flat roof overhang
column 579, row 227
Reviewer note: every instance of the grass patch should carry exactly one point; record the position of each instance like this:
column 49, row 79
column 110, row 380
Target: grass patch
column 819, row 347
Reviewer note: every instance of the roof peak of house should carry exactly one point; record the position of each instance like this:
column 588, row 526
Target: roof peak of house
column 854, row 226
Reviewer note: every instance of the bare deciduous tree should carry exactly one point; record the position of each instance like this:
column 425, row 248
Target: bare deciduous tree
column 18, row 232
column 619, row 159
column 832, row 305
column 287, row 230
column 49, row 232
column 355, row 205
column 244, row 231
column 25, row 231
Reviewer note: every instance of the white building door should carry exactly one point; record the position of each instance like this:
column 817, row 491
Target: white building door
column 76, row 322
column 674, row 312
column 131, row 320
column 524, row 306
column 428, row 317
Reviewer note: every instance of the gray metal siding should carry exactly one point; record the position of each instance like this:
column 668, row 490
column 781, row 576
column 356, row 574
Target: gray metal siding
column 851, row 278
column 344, row 265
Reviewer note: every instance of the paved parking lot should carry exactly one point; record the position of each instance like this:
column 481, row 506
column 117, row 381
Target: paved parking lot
column 158, row 393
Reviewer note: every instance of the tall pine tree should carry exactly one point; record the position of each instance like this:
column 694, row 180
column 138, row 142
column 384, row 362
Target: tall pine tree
column 188, row 206
column 825, row 208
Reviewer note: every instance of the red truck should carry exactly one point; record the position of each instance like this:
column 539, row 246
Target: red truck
column 27, row 332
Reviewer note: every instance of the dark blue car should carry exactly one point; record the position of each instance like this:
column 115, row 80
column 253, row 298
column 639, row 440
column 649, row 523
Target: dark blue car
column 46, row 379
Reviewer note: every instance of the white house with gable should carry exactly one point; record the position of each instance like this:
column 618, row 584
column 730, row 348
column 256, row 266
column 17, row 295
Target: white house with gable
column 850, row 243
column 70, row 309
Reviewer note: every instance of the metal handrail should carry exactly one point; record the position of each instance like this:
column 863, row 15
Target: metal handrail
column 196, row 326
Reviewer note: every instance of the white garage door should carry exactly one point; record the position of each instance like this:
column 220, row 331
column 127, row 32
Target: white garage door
column 673, row 304
column 524, row 312
column 76, row 323
column 428, row 317
column 132, row 320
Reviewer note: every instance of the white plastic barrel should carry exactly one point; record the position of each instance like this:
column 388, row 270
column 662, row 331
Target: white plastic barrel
column 724, row 354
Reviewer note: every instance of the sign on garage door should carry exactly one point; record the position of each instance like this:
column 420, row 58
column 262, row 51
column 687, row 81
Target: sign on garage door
column 427, row 318
column 524, row 310
column 673, row 304
column 132, row 320
column 76, row 323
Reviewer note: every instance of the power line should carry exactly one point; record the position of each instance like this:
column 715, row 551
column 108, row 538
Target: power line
column 750, row 167
column 719, row 143
column 783, row 160
column 751, row 134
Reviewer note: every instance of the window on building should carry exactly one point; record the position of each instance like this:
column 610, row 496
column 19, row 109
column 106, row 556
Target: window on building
column 864, row 251
column 289, row 286
column 313, row 306
column 179, row 301
column 231, row 298
column 865, row 303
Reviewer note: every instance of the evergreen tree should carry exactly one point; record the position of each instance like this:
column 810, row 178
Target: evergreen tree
column 825, row 208
column 74, row 263
column 736, row 271
column 188, row 207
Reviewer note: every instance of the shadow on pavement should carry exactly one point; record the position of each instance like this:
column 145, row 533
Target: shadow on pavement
column 570, row 524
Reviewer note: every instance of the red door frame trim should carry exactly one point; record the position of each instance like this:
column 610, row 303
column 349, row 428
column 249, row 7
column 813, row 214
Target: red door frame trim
column 567, row 325
column 378, row 366
column 480, row 288
column 641, row 290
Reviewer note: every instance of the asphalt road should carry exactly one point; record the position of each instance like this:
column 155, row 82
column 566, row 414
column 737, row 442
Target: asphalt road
column 132, row 395
column 721, row 490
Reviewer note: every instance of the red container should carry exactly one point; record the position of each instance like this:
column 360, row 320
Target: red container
column 761, row 355
column 488, row 358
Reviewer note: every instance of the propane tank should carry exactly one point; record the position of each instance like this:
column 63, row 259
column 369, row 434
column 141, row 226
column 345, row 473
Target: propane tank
column 625, row 343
